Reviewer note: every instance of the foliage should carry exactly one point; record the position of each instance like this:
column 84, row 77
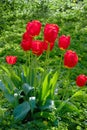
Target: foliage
column 71, row 17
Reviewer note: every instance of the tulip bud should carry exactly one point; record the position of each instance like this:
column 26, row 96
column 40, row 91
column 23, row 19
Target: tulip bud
column 47, row 44
column 81, row 80
column 50, row 32
column 11, row 60
column 26, row 44
column 37, row 47
column 33, row 28
column 64, row 42
column 70, row 59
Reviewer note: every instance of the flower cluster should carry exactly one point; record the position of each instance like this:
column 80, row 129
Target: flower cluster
column 37, row 47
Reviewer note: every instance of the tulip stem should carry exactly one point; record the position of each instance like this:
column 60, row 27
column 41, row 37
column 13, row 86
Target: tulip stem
column 47, row 56
column 66, row 83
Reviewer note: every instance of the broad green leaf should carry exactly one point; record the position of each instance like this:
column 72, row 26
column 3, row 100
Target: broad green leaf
column 10, row 98
column 45, row 87
column 8, row 83
column 2, row 87
column 27, row 88
column 32, row 102
column 53, row 82
column 48, row 105
column 23, row 77
column 21, row 111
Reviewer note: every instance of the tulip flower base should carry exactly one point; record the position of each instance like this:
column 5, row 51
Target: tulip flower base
column 31, row 88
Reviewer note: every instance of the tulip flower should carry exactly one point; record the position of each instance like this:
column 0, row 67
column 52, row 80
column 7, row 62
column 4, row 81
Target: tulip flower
column 26, row 36
column 70, row 59
column 26, row 44
column 37, row 47
column 11, row 60
column 33, row 28
column 81, row 80
column 47, row 44
column 50, row 32
column 64, row 42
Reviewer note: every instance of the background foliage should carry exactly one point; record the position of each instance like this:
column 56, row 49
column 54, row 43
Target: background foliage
column 71, row 16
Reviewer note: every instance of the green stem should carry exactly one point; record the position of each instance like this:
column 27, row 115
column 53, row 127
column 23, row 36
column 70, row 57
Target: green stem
column 66, row 84
column 47, row 57
column 35, row 72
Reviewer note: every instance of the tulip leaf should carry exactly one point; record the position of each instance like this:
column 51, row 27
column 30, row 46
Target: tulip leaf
column 8, row 83
column 45, row 87
column 53, row 82
column 21, row 111
column 10, row 98
column 2, row 87
column 32, row 102
column 48, row 105
column 27, row 88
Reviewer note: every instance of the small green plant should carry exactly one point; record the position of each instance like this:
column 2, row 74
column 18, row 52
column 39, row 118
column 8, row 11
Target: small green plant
column 30, row 88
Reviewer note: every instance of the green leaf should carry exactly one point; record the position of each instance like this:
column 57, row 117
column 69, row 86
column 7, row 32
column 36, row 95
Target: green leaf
column 23, row 77
column 21, row 111
column 2, row 111
column 5, row 69
column 27, row 88
column 66, row 106
column 8, row 83
column 2, row 87
column 10, row 98
column 77, row 94
column 32, row 102
column 48, row 105
column 45, row 87
column 61, row 105
column 15, row 76
column 53, row 82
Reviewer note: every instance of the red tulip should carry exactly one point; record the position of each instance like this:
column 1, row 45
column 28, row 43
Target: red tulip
column 26, row 44
column 46, row 44
column 11, row 60
column 33, row 28
column 81, row 80
column 64, row 42
column 70, row 59
column 50, row 32
column 37, row 47
column 26, row 36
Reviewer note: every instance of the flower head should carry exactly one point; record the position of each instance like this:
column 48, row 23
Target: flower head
column 70, row 59
column 37, row 47
column 26, row 44
column 64, row 42
column 47, row 44
column 33, row 28
column 50, row 32
column 11, row 60
column 26, row 36
column 81, row 80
